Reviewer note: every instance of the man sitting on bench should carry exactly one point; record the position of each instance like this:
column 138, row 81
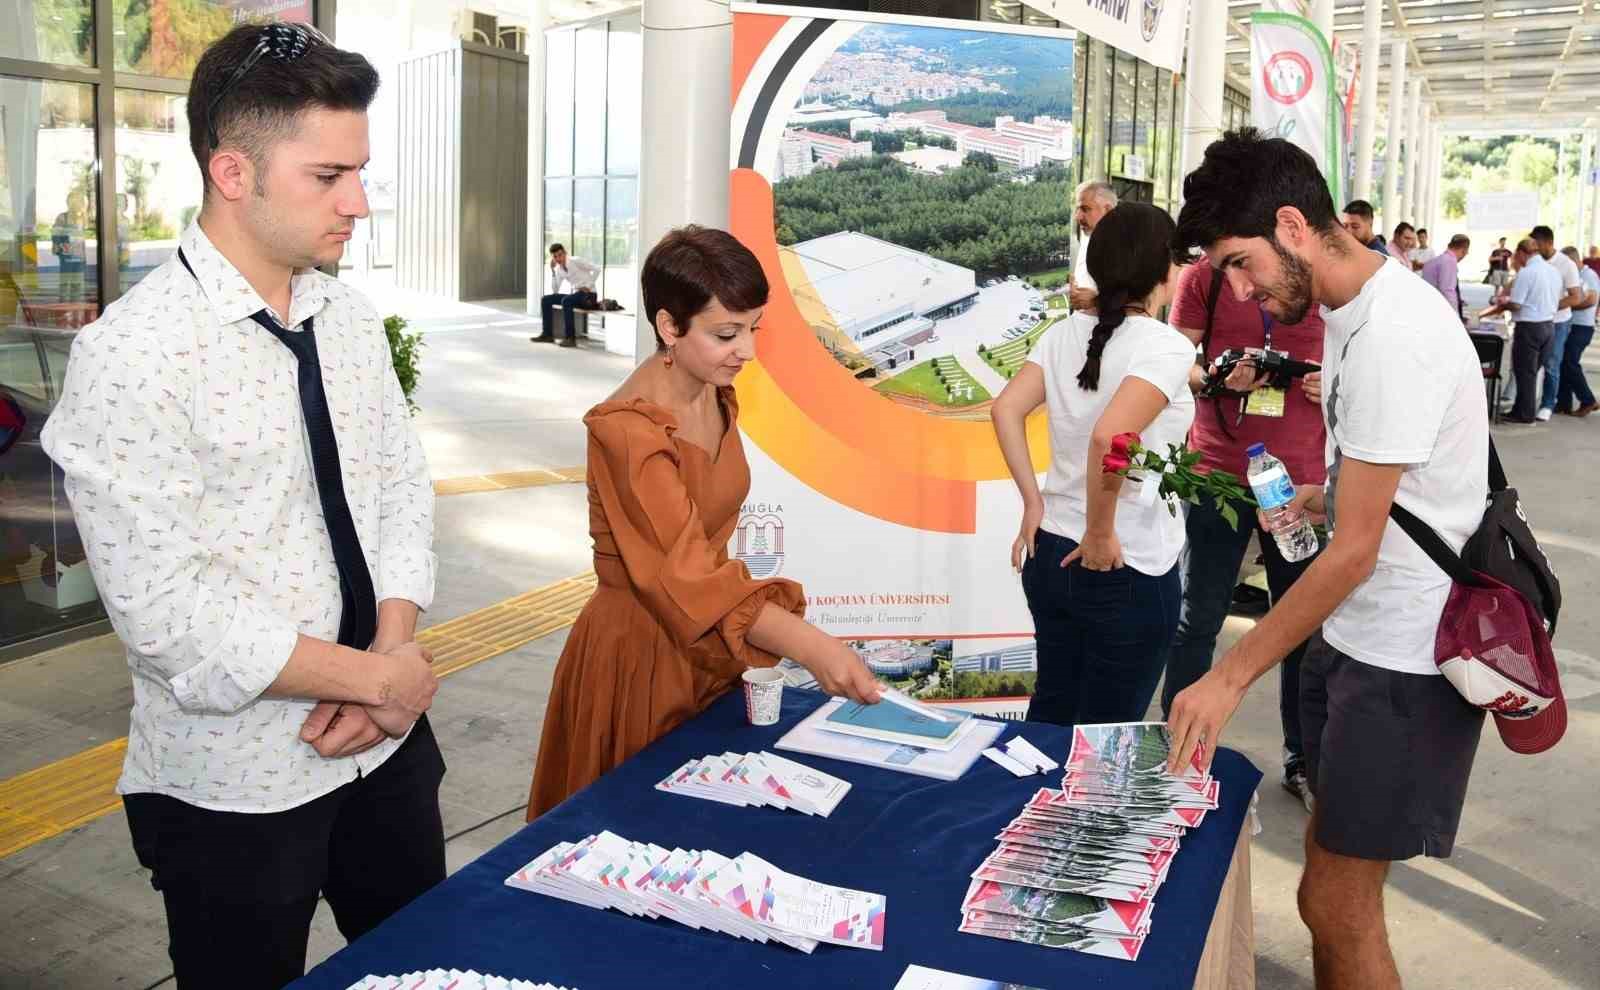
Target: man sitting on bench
column 580, row 275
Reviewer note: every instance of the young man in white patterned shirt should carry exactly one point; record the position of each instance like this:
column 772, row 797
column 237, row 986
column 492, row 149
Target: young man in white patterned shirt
column 259, row 519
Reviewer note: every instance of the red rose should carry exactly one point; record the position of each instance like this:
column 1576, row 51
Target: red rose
column 1125, row 444
column 1115, row 463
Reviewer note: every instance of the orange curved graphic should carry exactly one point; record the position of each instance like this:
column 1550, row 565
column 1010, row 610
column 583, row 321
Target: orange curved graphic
column 851, row 477
column 755, row 32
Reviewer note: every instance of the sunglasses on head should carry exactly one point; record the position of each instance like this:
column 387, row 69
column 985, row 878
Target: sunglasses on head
column 278, row 42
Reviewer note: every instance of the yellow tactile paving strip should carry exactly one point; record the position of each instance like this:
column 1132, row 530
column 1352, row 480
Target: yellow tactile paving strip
column 42, row 803
column 472, row 483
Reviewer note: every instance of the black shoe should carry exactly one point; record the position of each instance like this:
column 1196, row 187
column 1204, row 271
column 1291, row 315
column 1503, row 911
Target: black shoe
column 1294, row 781
column 1249, row 600
column 543, row 338
column 569, row 342
column 1519, row 420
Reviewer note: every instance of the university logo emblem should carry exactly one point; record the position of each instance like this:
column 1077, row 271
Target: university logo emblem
column 1150, row 19
column 759, row 543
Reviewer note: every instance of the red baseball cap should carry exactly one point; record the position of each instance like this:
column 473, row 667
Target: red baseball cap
column 1492, row 646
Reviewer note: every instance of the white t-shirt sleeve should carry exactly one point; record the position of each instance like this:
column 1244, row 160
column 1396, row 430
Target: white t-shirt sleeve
column 1080, row 268
column 1569, row 275
column 1390, row 401
column 1164, row 361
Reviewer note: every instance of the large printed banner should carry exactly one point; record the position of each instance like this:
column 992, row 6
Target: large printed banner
column 1152, row 30
column 901, row 183
column 1295, row 91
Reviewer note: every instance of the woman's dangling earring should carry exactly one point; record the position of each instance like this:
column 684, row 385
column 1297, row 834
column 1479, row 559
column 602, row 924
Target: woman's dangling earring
column 668, row 359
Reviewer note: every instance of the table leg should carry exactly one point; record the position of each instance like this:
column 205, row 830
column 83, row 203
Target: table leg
column 1229, row 959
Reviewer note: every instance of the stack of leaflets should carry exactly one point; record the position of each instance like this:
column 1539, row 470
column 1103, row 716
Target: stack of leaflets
column 744, row 896
column 759, row 779
column 449, row 979
column 1079, row 868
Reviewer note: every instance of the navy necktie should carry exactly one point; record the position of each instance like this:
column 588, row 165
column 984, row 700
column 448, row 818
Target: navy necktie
column 358, row 621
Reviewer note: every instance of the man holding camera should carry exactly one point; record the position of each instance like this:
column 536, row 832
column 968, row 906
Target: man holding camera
column 1252, row 409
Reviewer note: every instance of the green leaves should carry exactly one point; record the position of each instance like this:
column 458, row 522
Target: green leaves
column 403, row 349
column 1179, row 480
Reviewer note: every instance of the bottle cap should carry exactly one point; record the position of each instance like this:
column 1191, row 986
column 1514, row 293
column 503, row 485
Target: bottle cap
column 1255, row 450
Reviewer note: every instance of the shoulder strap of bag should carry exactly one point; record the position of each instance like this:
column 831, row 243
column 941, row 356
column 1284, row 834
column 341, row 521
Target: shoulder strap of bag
column 1211, row 313
column 1432, row 543
column 1205, row 344
column 1497, row 473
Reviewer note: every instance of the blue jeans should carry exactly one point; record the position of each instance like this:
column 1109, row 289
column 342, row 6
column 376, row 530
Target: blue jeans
column 1102, row 636
column 1574, row 383
column 1552, row 365
column 1210, row 570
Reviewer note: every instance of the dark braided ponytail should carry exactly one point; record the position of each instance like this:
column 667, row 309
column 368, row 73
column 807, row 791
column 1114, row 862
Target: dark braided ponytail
column 1130, row 254
column 1112, row 305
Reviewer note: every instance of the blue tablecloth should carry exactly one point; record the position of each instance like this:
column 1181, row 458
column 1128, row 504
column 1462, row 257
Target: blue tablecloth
column 911, row 838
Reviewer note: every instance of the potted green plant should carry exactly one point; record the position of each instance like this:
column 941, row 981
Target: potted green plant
column 403, row 348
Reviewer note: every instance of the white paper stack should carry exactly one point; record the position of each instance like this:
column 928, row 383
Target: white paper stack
column 1079, row 868
column 757, row 779
column 745, row 896
column 449, row 979
column 813, row 738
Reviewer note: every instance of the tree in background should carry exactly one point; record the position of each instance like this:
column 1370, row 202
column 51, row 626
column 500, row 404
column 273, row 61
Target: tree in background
column 983, row 160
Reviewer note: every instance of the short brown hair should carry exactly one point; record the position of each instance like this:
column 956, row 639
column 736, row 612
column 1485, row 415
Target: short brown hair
column 263, row 107
column 693, row 265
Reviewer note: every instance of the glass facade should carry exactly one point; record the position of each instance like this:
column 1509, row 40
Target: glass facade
column 591, row 166
column 96, row 183
column 1130, row 123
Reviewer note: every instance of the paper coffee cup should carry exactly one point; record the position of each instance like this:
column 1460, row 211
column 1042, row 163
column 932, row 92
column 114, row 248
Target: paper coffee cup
column 763, row 695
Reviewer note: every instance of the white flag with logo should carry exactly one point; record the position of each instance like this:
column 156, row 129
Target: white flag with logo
column 1293, row 91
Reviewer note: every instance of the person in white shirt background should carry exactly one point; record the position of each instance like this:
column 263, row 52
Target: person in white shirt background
column 1533, row 299
column 1389, row 741
column 1571, row 298
column 1099, row 565
column 1095, row 200
column 580, row 275
column 1574, row 382
column 1422, row 253
column 259, row 517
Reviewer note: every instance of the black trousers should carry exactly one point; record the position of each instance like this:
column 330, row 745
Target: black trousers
column 1530, row 349
column 240, row 889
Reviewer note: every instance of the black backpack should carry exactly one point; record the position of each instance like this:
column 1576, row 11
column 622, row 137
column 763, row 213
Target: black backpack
column 1503, row 547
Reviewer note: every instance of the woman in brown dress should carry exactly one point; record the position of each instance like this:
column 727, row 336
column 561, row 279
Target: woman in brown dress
column 675, row 621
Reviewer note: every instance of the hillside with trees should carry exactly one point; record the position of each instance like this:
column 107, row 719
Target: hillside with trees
column 975, row 217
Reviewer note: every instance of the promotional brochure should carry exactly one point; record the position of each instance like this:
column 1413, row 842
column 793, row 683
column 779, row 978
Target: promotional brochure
column 1080, row 867
column 758, row 779
column 745, row 896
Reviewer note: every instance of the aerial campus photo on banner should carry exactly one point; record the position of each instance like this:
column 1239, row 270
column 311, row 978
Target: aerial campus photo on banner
column 924, row 207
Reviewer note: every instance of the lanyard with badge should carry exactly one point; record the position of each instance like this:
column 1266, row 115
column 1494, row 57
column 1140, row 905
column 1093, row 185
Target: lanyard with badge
column 1268, row 400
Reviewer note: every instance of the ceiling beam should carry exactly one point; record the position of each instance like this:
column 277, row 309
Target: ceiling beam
column 1583, row 21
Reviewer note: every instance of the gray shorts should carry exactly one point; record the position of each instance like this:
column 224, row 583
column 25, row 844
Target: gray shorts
column 1388, row 755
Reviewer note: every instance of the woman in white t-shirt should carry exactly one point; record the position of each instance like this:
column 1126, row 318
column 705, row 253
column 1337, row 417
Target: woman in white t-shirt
column 1099, row 563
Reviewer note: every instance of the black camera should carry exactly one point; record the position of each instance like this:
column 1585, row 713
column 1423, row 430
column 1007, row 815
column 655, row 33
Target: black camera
column 1278, row 368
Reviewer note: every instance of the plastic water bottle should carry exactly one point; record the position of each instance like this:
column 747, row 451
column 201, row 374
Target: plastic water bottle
column 1274, row 490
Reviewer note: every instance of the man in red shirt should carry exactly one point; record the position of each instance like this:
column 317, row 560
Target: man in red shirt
column 1290, row 423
